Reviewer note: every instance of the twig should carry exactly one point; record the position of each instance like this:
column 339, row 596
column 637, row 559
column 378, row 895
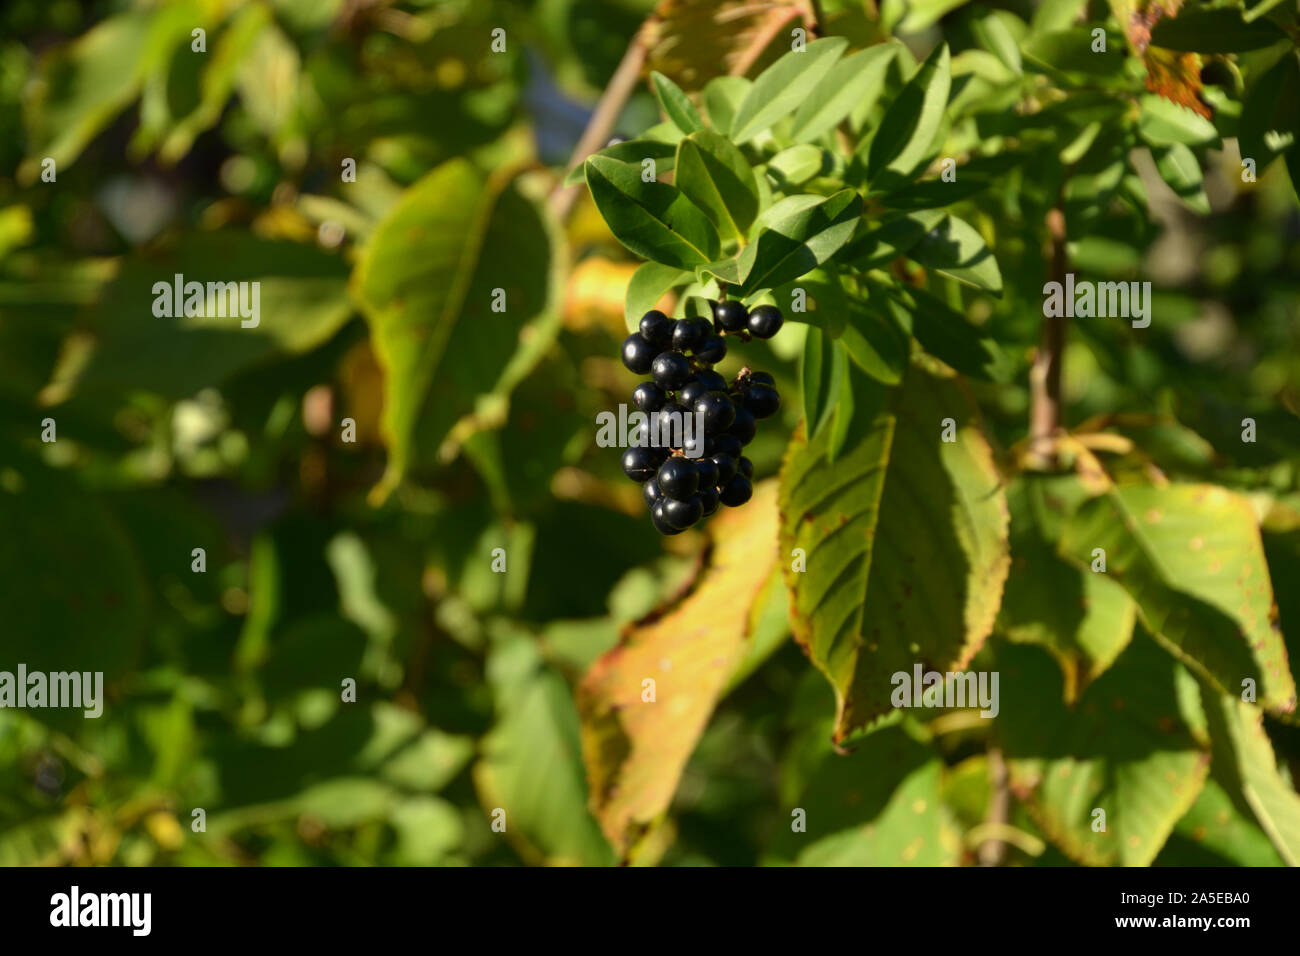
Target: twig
column 993, row 850
column 1045, row 374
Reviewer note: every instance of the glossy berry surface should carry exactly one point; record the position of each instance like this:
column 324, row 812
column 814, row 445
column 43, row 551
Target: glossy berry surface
column 725, row 444
column 651, row 493
column 713, row 350
column 638, row 354
column 736, row 492
column 678, row 478
column 660, row 520
column 690, row 334
column 671, row 370
column 691, row 392
column 761, row 400
column 709, row 501
column 726, row 466
column 649, row 397
column 640, row 464
column 708, row 469
column 761, row 378
column 765, row 321
column 657, row 328
column 730, row 316
column 743, row 426
column 716, row 412
column 681, row 514
column 711, row 380
column 745, row 467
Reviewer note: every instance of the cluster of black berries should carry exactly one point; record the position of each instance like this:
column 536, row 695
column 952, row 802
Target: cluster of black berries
column 682, row 483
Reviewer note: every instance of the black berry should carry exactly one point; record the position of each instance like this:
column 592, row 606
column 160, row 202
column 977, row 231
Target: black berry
column 712, row 351
column 743, row 427
column 761, row 400
column 708, row 469
column 681, row 514
column 691, row 392
column 745, row 467
column 690, row 334
column 730, row 316
column 649, row 397
column 678, row 478
column 765, row 321
column 660, row 520
column 639, row 464
column 708, row 501
column 711, row 380
column 672, row 425
column 671, row 370
column 736, row 492
column 726, row 466
column 657, row 328
column 638, row 354
column 725, row 444
column 650, row 491
column 716, row 412
column 761, row 378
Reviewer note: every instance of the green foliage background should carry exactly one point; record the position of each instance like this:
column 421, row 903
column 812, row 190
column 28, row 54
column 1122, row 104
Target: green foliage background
column 372, row 560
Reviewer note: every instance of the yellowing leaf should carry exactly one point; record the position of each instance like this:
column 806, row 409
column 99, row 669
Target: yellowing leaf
column 635, row 749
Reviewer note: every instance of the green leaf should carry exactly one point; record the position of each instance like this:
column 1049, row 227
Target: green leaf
column 814, row 375
column 861, row 610
column 1163, row 123
column 1179, row 169
column 881, row 245
column 795, row 236
column 653, row 219
column 1270, row 116
column 796, row 165
column 880, row 805
column 993, row 33
column 854, row 83
column 1191, row 557
column 531, row 764
column 945, row 333
column 1130, row 747
column 1083, row 619
column 784, row 86
column 634, row 151
column 909, row 127
column 1244, row 756
column 675, row 105
column 953, row 248
column 713, row 174
column 932, row 194
column 1070, row 51
column 1222, row 30
column 1216, row 833
column 841, row 414
column 722, row 98
column 427, row 281
column 647, row 286
column 875, row 346
column 302, row 301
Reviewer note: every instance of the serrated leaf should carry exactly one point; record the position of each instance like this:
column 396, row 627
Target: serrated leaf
column 911, row 123
column 955, row 249
column 880, row 805
column 795, row 236
column 714, row 175
column 1215, row 833
column 675, row 104
column 1191, row 557
column 635, row 751
column 853, row 84
column 1084, row 619
column 1244, row 756
column 1128, row 748
column 784, row 85
column 653, row 219
column 864, row 609
column 647, row 286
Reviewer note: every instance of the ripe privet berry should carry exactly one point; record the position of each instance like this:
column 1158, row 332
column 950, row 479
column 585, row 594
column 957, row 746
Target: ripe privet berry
column 678, row 478
column 672, row 425
column 765, row 321
column 729, row 316
column 650, row 491
column 681, row 514
column 709, row 501
column 690, row 334
column 660, row 520
column 638, row 354
column 671, row 370
column 708, row 469
column 745, row 467
column 736, row 492
column 712, row 351
column 649, row 397
column 743, row 427
column 761, row 378
column 640, row 464
column 726, row 466
column 725, row 444
column 691, row 392
column 711, row 380
column 716, row 412
column 761, row 400
column 657, row 328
